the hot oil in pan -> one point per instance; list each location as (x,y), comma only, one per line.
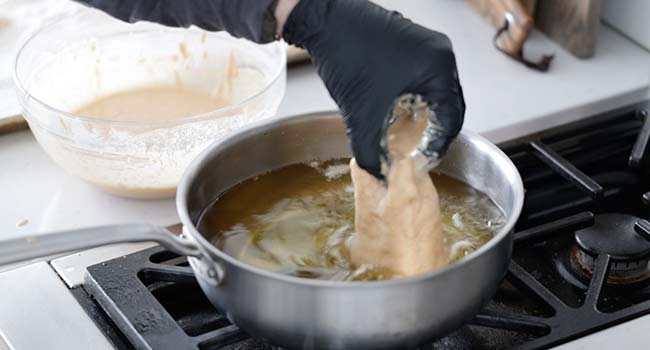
(297,221)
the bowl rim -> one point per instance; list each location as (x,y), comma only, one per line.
(24,93)
(218,256)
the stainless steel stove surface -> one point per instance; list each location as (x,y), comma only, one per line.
(580,259)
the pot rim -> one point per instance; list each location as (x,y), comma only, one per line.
(197,165)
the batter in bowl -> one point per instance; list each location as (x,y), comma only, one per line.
(153,103)
(162,102)
(169,104)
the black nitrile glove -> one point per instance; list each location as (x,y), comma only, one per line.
(368,57)
(250,19)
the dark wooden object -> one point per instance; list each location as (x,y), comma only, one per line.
(571,23)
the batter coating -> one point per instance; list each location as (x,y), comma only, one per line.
(397,222)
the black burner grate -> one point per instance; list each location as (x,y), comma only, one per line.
(154,299)
(164,308)
(571,174)
(567,321)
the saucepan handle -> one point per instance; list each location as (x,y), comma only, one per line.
(35,246)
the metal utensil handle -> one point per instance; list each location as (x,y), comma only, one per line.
(35,246)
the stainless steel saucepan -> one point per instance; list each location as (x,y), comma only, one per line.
(293,312)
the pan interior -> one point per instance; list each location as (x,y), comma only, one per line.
(321,136)
(298,221)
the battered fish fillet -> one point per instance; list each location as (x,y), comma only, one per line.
(397,222)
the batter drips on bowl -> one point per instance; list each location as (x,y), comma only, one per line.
(153,103)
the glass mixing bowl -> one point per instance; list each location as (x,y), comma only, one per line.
(88,55)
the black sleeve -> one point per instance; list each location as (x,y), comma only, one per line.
(250,19)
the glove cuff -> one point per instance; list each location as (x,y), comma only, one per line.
(305,21)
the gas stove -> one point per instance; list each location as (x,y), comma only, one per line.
(580,260)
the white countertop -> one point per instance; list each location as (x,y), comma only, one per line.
(504,100)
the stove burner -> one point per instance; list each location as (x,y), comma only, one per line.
(615,235)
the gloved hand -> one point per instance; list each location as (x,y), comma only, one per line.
(368,57)
(250,19)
